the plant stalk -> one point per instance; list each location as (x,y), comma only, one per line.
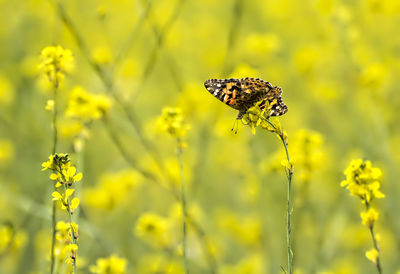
(54,149)
(183,203)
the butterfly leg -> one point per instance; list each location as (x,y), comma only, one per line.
(236,123)
(235,126)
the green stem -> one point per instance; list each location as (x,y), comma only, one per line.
(72,231)
(183,202)
(374,241)
(289,174)
(54,149)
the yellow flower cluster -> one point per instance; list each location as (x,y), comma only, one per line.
(113,189)
(65,246)
(65,176)
(243,229)
(111,265)
(87,107)
(159,263)
(309,155)
(369,217)
(55,62)
(255,117)
(153,229)
(172,121)
(6,151)
(10,239)
(362,180)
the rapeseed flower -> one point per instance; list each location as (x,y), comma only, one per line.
(363,180)
(55,62)
(110,265)
(65,176)
(113,189)
(153,229)
(87,107)
(172,121)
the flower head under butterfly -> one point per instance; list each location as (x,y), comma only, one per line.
(242,94)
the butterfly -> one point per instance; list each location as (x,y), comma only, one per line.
(242,94)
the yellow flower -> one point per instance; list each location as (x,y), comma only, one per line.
(253,264)
(113,189)
(63,229)
(244,229)
(172,122)
(55,62)
(372,255)
(111,265)
(363,180)
(307,147)
(159,263)
(6,151)
(262,44)
(6,91)
(49,105)
(153,229)
(86,106)
(63,172)
(102,55)
(369,217)
(10,239)
(373,76)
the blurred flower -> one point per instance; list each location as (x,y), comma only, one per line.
(11,240)
(325,7)
(6,151)
(172,121)
(262,44)
(112,189)
(64,243)
(305,59)
(130,68)
(102,55)
(72,128)
(373,76)
(369,217)
(159,263)
(363,180)
(252,264)
(244,70)
(6,91)
(194,211)
(327,91)
(55,62)
(153,229)
(86,106)
(101,12)
(309,155)
(49,105)
(110,265)
(245,229)
(372,255)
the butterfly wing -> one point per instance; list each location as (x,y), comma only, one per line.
(225,90)
(244,93)
(276,106)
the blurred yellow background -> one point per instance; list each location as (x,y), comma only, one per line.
(338,63)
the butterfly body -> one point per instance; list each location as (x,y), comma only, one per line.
(242,94)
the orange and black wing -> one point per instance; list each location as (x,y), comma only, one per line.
(225,90)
